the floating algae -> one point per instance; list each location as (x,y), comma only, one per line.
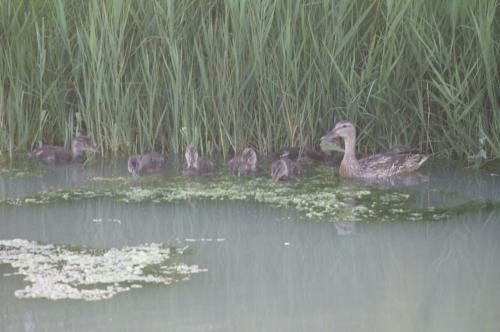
(321,197)
(58,272)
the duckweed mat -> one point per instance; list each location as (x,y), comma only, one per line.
(321,198)
(62,272)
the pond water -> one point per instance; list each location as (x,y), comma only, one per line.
(97,250)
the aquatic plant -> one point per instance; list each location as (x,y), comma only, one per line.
(61,272)
(223,75)
(321,198)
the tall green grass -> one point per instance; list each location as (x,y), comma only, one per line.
(142,75)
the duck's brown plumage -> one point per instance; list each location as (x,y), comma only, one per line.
(398,160)
(243,164)
(284,169)
(145,163)
(196,165)
(329,158)
(295,153)
(52,154)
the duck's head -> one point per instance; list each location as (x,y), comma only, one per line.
(83,143)
(249,158)
(286,154)
(343,129)
(133,164)
(279,170)
(191,156)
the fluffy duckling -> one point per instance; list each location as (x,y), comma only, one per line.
(244,164)
(284,169)
(399,160)
(295,153)
(145,163)
(196,165)
(51,154)
(323,156)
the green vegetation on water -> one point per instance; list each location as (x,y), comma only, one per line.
(65,272)
(322,198)
(138,75)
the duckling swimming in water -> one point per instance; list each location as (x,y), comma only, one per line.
(327,157)
(196,165)
(398,160)
(284,168)
(295,153)
(145,163)
(58,155)
(244,164)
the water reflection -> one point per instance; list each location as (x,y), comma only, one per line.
(345,227)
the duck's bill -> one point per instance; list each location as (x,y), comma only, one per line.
(331,145)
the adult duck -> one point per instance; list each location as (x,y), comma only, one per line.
(52,154)
(399,160)
(196,165)
(146,163)
(244,164)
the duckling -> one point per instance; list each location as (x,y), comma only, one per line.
(145,163)
(398,160)
(323,156)
(196,165)
(284,169)
(295,153)
(244,164)
(51,154)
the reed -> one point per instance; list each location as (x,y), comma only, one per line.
(139,75)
